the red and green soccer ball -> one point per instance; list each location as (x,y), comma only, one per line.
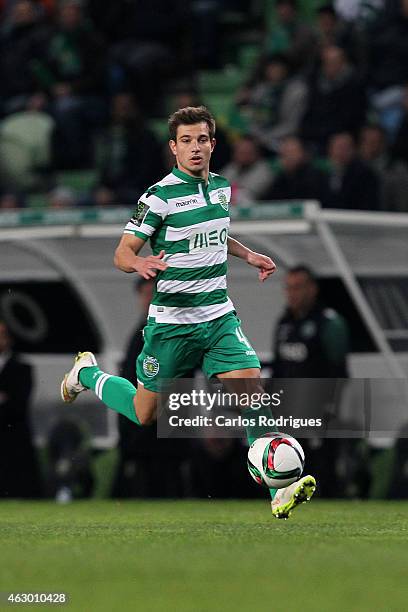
(275,460)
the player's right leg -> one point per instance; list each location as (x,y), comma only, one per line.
(117,393)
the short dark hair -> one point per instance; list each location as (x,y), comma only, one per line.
(303,269)
(191,115)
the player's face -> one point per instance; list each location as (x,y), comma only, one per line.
(193,148)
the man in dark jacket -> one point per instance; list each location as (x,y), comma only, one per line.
(311,341)
(18,467)
(336,100)
(352,183)
(297,178)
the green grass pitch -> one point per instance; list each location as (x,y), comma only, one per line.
(205,556)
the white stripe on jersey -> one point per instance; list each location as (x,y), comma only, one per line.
(155,204)
(197,286)
(169,179)
(198,314)
(145,228)
(181,233)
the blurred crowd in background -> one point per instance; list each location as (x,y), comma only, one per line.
(311,99)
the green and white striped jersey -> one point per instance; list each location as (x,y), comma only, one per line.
(190,221)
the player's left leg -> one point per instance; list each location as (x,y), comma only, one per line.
(233,360)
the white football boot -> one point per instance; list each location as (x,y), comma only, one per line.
(292,496)
(70,386)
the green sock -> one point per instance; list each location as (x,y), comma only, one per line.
(117,393)
(254,432)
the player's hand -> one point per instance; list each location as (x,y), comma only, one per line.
(146,266)
(265,264)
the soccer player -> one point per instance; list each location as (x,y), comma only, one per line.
(192,321)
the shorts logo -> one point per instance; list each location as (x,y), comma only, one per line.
(150,366)
(222,199)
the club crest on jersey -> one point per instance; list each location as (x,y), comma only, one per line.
(150,366)
(222,199)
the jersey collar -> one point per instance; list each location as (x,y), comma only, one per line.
(187,177)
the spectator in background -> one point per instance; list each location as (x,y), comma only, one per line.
(331,30)
(44,8)
(389,48)
(290,35)
(272,108)
(336,100)
(352,183)
(26,140)
(23,40)
(363,12)
(248,172)
(310,341)
(296,177)
(10,201)
(388,66)
(19,475)
(61,197)
(153,44)
(74,73)
(393,175)
(129,156)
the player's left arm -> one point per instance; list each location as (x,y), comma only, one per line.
(264,263)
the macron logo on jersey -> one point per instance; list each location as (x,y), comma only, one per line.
(186,202)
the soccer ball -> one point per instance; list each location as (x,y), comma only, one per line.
(275,460)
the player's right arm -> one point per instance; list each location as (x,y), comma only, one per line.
(127,257)
(146,220)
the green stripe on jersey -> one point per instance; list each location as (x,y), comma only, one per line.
(158,243)
(189,274)
(153,219)
(200,215)
(189,300)
(140,235)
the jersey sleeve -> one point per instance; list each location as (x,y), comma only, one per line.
(149,215)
